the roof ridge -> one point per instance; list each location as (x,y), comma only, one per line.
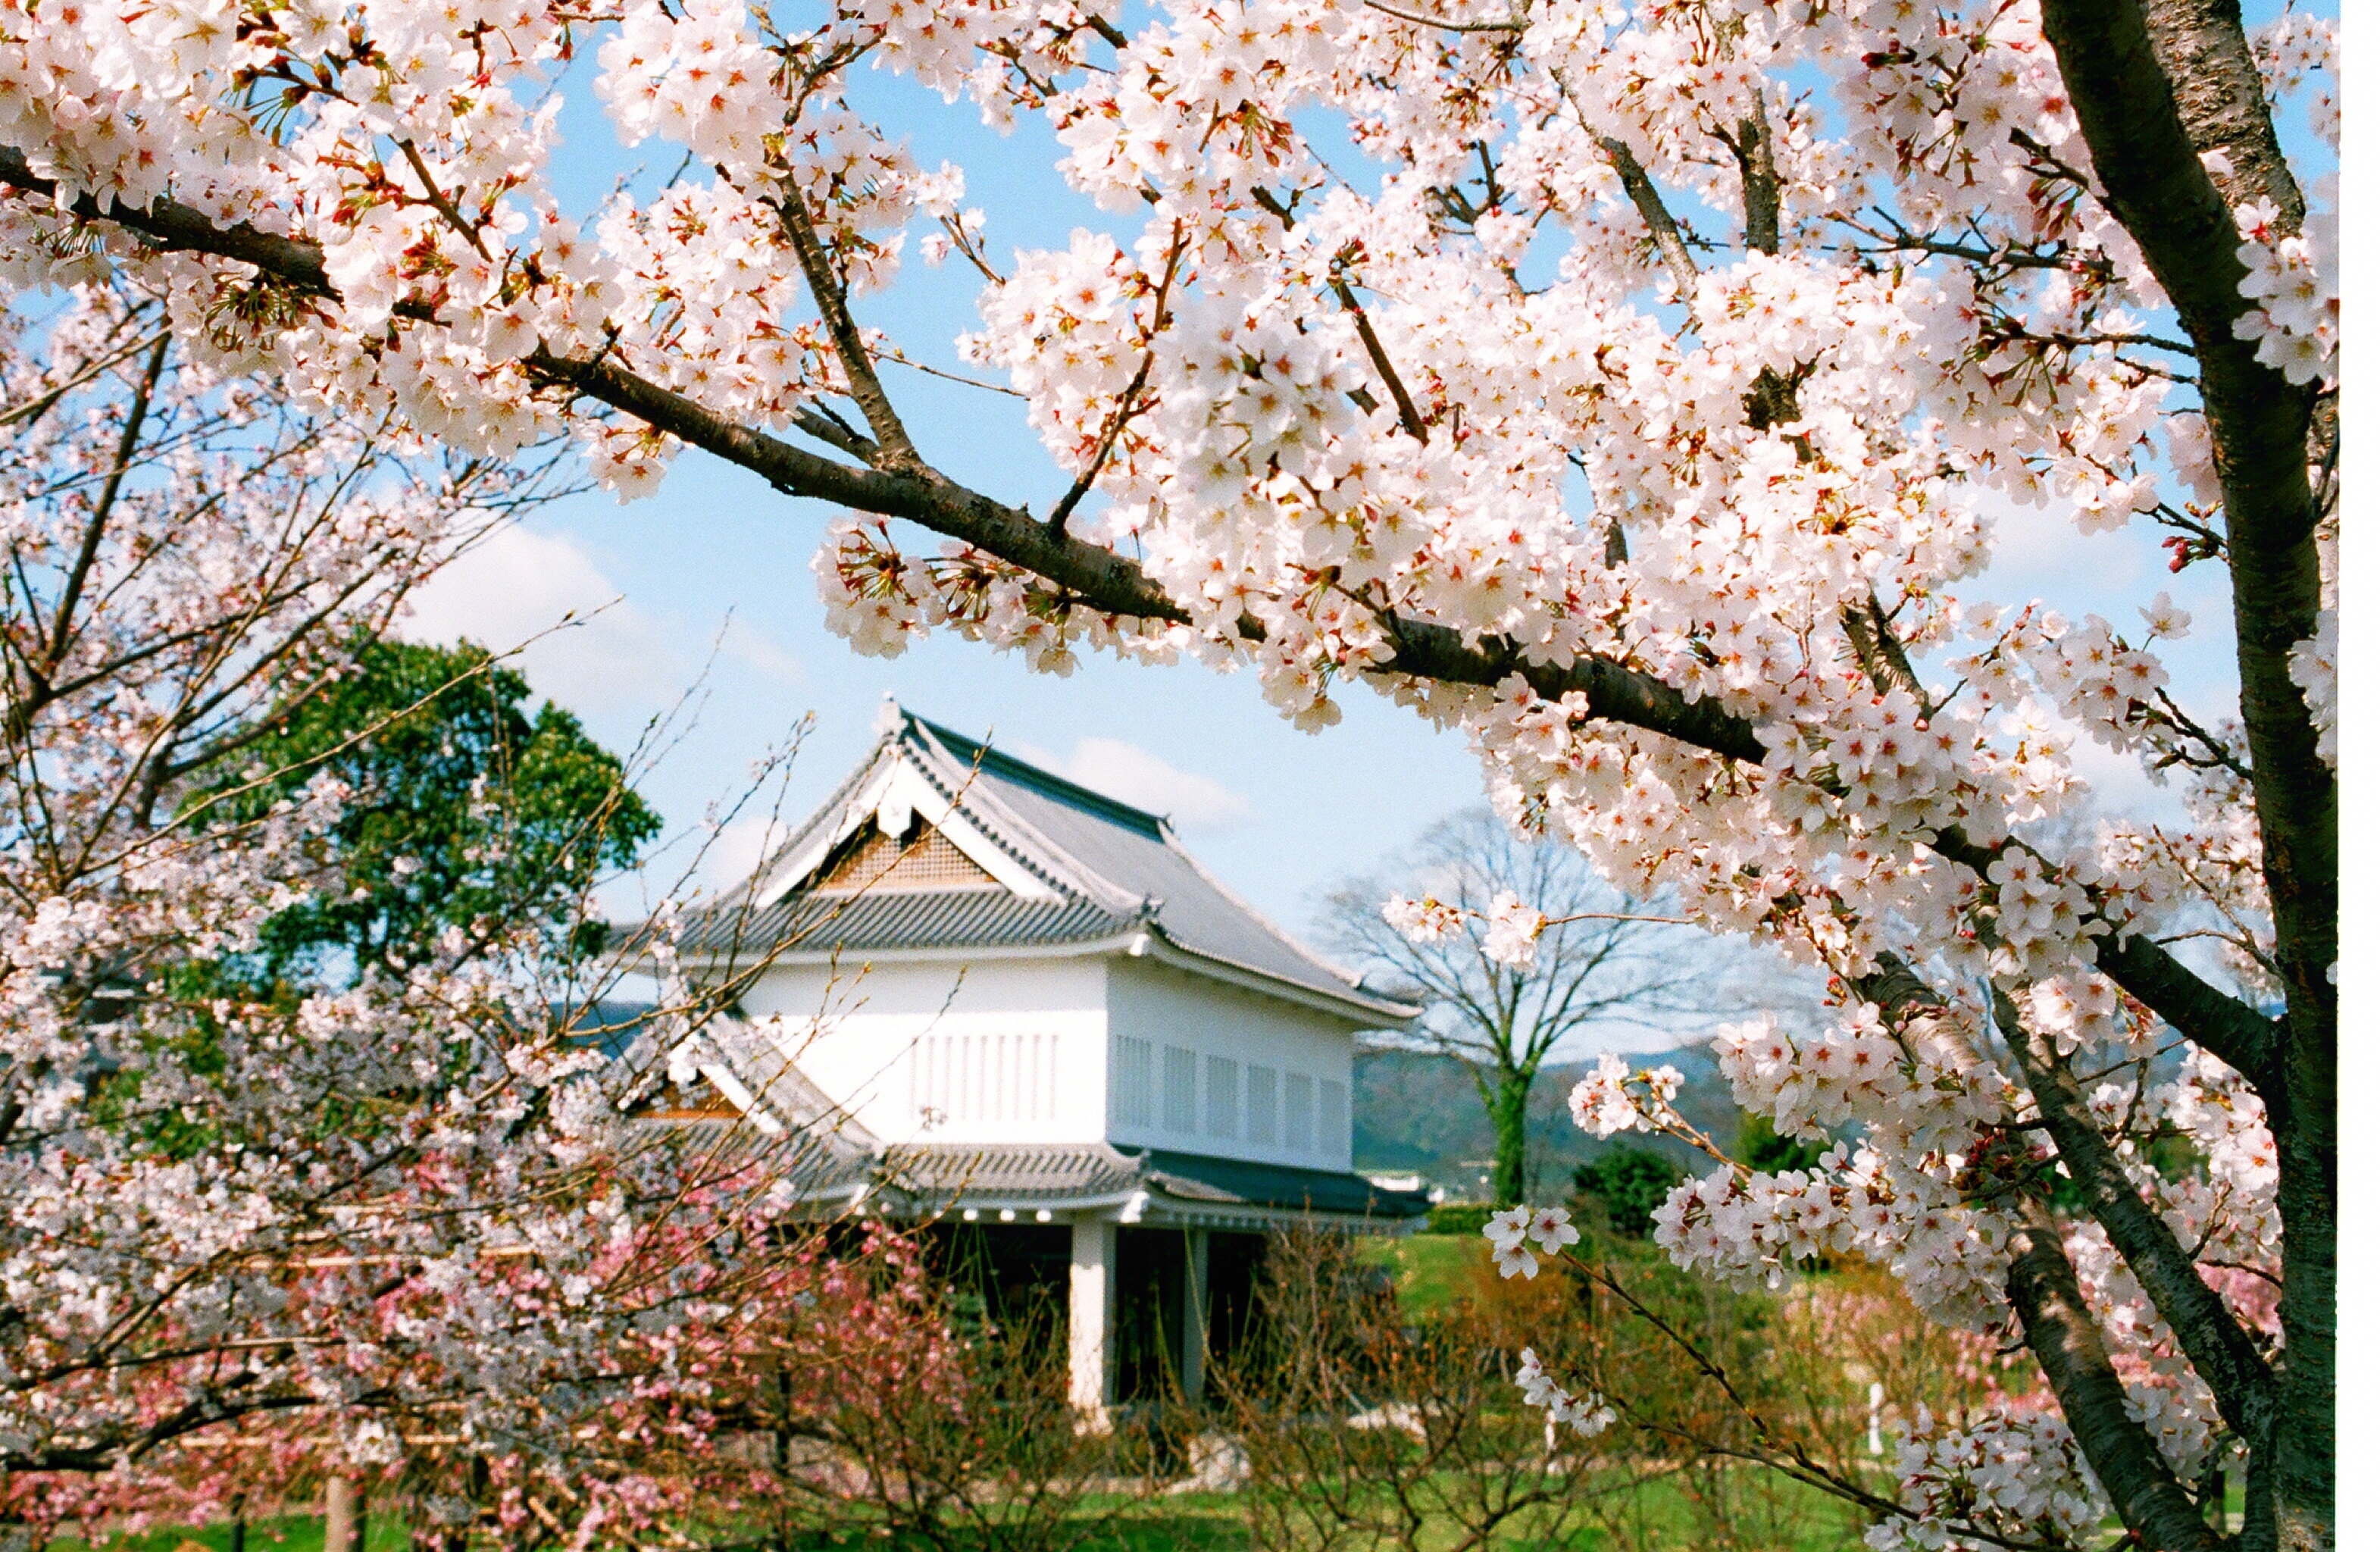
(1152,825)
(756,881)
(980,797)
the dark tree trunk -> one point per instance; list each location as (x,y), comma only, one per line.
(2158,85)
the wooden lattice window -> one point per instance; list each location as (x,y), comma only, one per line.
(698,1100)
(925,860)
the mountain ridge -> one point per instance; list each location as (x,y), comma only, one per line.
(1420,1112)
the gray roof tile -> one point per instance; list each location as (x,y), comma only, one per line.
(900,919)
(1116,866)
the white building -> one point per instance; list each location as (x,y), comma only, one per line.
(1020,1005)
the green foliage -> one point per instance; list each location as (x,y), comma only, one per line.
(1629,1182)
(468,809)
(1758,1145)
(1458,1218)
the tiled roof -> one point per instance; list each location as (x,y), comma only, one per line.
(1198,1178)
(1025,1173)
(1112,866)
(937,1177)
(903,919)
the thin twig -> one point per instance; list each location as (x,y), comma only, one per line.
(1407,416)
(1445,26)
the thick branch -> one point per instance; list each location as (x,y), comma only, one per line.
(2146,154)
(2241,1037)
(2210,1337)
(2220,95)
(172,225)
(1755,158)
(2066,1343)
(2146,139)
(895,451)
(2063,1337)
(1666,239)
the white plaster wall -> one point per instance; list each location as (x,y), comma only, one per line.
(1010,1050)
(1169,1008)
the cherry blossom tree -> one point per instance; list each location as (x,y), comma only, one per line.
(1646,418)
(399,1227)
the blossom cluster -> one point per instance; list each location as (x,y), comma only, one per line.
(1586,1413)
(2293,279)
(2009,1475)
(1512,1231)
(2313,668)
(1511,925)
(1614,1098)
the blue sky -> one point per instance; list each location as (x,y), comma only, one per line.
(714,571)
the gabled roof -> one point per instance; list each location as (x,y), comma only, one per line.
(769,1111)
(1066,868)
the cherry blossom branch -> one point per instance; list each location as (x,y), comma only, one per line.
(439,201)
(1666,239)
(1126,405)
(1112,584)
(827,290)
(897,359)
(2217,1346)
(1981,253)
(1444,26)
(135,415)
(2065,1341)
(2064,1336)
(42,404)
(1407,416)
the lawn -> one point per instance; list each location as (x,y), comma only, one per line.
(1430,1270)
(1662,1515)
(295,1533)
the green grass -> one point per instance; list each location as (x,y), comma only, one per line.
(1774,1515)
(295,1533)
(1661,1515)
(1431,1270)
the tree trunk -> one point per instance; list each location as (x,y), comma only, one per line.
(2158,85)
(1510,1111)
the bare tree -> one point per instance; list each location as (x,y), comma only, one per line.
(1606,965)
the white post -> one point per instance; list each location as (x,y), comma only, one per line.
(1193,1320)
(343,1515)
(1090,1315)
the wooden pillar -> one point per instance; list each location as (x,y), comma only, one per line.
(343,1515)
(1194,1319)
(1090,1317)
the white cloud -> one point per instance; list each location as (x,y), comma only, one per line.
(760,653)
(2040,551)
(1131,774)
(515,588)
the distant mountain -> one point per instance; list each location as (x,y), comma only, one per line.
(1420,1112)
